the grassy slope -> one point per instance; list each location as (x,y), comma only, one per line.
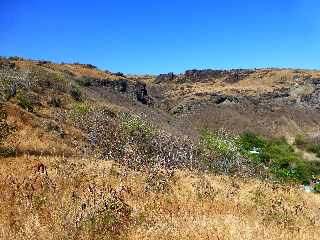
(51,190)
(49,204)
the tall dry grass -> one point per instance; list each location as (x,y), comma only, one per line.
(77,198)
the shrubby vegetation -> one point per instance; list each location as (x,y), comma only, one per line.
(25,103)
(279,157)
(222,150)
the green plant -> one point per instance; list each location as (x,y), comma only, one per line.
(59,77)
(280,157)
(220,151)
(249,141)
(135,126)
(317,188)
(220,142)
(79,110)
(25,103)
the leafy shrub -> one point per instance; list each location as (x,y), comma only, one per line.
(59,77)
(25,103)
(79,110)
(135,126)
(220,143)
(222,150)
(317,188)
(249,141)
(280,157)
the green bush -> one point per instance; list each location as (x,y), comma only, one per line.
(135,126)
(220,142)
(25,103)
(317,188)
(249,141)
(79,110)
(280,157)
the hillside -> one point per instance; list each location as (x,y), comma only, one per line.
(91,154)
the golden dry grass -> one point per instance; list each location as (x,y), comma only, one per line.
(42,198)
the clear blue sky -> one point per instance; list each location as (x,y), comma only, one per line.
(158,36)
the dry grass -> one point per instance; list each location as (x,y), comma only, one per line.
(44,197)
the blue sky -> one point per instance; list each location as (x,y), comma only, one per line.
(158,36)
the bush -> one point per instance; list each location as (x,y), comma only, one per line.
(280,157)
(79,110)
(317,188)
(249,141)
(25,103)
(222,150)
(134,126)
(220,143)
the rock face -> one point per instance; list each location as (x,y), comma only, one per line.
(229,76)
(165,78)
(135,89)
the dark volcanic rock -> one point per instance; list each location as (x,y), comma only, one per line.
(142,93)
(137,90)
(165,78)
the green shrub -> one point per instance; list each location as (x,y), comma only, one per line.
(79,110)
(219,142)
(280,157)
(317,188)
(59,78)
(25,103)
(249,141)
(135,126)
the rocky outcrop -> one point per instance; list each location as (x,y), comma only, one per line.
(207,75)
(135,89)
(165,78)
